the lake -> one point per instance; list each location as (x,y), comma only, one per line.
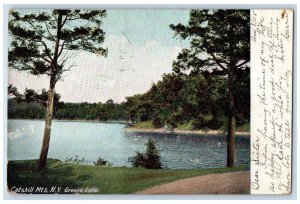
(111,142)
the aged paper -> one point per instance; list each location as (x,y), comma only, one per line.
(271,101)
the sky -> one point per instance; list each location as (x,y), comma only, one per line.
(141,47)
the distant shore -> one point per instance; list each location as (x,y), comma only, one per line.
(147,130)
(187,132)
(91,121)
(74,120)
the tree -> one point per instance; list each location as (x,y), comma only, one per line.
(149,160)
(42,42)
(168,90)
(13,91)
(30,95)
(201,97)
(219,45)
(43,98)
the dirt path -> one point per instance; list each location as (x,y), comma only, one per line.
(225,183)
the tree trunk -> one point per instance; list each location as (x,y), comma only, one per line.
(231,123)
(48,119)
(47,131)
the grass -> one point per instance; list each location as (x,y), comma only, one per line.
(108,180)
(187,126)
(144,125)
(243,128)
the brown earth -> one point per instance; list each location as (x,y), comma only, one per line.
(225,183)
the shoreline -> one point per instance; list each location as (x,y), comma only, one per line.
(146,130)
(185,132)
(73,120)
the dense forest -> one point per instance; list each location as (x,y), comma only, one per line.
(178,99)
(197,101)
(32,105)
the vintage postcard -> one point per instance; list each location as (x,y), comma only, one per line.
(149,101)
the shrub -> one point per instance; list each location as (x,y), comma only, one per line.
(148,160)
(102,162)
(156,122)
(76,160)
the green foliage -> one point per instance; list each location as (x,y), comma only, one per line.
(243,128)
(31,105)
(102,162)
(217,46)
(13,92)
(198,100)
(148,160)
(186,126)
(75,160)
(218,50)
(148,124)
(115,180)
(40,40)
(25,110)
(196,93)
(157,122)
(31,96)
(91,111)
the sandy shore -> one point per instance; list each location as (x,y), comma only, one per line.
(188,132)
(225,183)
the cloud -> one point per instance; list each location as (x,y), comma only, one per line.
(23,131)
(128,69)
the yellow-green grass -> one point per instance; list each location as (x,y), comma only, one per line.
(108,180)
(243,128)
(144,125)
(186,126)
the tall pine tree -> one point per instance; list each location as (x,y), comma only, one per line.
(42,43)
(219,45)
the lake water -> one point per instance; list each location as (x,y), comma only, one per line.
(111,142)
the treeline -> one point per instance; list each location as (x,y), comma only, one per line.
(68,111)
(91,111)
(197,101)
(32,105)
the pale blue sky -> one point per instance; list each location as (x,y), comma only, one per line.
(144,25)
(129,68)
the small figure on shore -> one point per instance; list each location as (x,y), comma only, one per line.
(168,128)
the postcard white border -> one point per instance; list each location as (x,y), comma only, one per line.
(6,195)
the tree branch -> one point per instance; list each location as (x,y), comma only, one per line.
(28,66)
(46,60)
(61,49)
(46,49)
(217,61)
(49,31)
(41,34)
(241,64)
(65,20)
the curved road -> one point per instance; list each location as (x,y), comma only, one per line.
(225,183)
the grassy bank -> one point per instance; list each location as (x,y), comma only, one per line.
(147,127)
(144,125)
(113,180)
